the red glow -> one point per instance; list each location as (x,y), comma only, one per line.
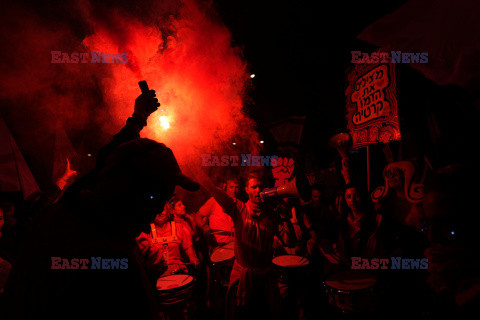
(198,77)
(180,48)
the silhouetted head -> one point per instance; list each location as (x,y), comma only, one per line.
(450,206)
(138,179)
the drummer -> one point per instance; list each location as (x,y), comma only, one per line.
(167,244)
(164,249)
(293,288)
(253,290)
(355,229)
(215,223)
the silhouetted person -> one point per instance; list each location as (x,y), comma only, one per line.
(451,210)
(5,266)
(80,260)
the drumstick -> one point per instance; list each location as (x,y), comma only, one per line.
(303,258)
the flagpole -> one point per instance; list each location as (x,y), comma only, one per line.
(368,168)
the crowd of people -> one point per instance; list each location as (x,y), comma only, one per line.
(240,255)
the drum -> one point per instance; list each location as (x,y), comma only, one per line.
(222,259)
(174,290)
(290,266)
(352,292)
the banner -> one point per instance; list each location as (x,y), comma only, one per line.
(326,177)
(372,112)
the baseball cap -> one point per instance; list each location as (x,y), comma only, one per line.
(152,161)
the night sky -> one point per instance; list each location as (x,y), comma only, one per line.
(299,52)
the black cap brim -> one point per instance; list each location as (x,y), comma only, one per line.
(186,183)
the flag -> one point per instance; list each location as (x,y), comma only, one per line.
(448,30)
(287,131)
(14,172)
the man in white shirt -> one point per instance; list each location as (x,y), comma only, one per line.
(215,223)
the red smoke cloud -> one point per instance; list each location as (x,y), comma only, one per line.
(181,48)
(199,78)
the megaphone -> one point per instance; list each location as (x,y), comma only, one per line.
(298,187)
